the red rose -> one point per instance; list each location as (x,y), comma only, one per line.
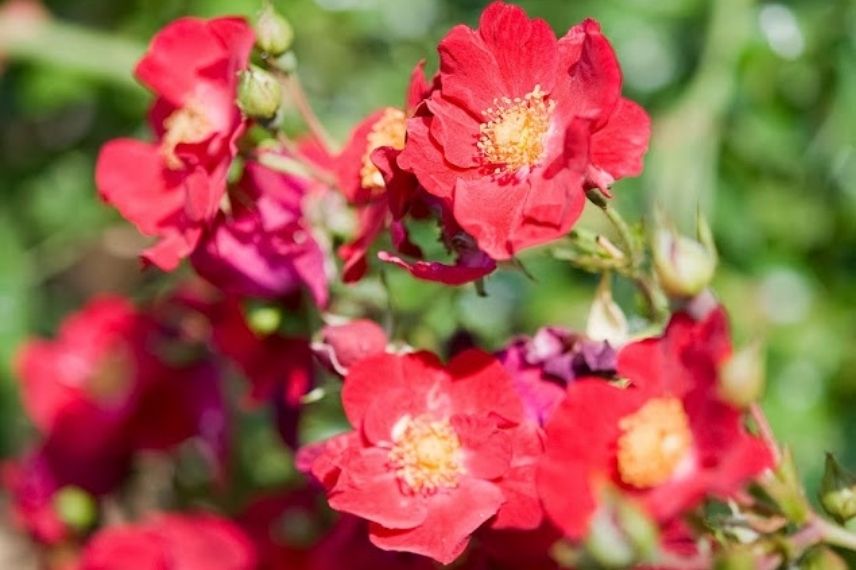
(667,440)
(99,392)
(171,542)
(370,178)
(437,452)
(172,188)
(521,123)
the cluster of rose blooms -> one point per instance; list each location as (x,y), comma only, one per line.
(560,449)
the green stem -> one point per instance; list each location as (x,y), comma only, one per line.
(70,47)
(836,535)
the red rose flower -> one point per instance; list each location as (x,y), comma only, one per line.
(172,188)
(436,452)
(99,392)
(171,542)
(32,485)
(667,440)
(264,247)
(521,123)
(370,178)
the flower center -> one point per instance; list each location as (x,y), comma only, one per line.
(111,380)
(655,440)
(389,130)
(426,454)
(513,135)
(188,124)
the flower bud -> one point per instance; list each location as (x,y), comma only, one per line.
(838,491)
(259,93)
(274,34)
(684,266)
(76,508)
(621,533)
(606,321)
(737,558)
(784,487)
(741,378)
(263,319)
(823,558)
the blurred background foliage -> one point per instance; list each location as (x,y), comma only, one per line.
(754,106)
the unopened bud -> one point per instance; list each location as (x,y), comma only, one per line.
(274,35)
(741,378)
(263,319)
(823,558)
(621,534)
(838,491)
(736,558)
(259,93)
(76,508)
(684,266)
(783,485)
(606,320)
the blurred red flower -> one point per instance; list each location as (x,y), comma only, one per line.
(667,441)
(172,188)
(171,542)
(521,124)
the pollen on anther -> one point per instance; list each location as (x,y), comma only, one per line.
(513,133)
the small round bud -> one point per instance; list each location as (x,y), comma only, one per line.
(76,508)
(838,491)
(264,319)
(741,378)
(259,93)
(684,266)
(274,35)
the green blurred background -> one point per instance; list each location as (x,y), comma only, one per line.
(754,107)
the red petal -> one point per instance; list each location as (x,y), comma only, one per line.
(620,145)
(481,385)
(368,489)
(420,373)
(452,518)
(130,175)
(175,56)
(487,449)
(440,272)
(579,454)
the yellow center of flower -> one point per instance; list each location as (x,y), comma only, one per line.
(389,130)
(188,124)
(513,135)
(426,454)
(111,379)
(655,439)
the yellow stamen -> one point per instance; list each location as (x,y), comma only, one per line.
(188,124)
(112,377)
(513,135)
(426,454)
(655,440)
(389,130)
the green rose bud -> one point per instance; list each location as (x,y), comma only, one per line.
(76,508)
(259,93)
(838,491)
(741,378)
(274,35)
